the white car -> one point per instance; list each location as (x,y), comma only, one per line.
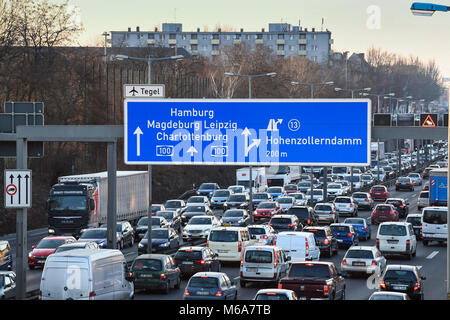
(197,201)
(416,178)
(236,189)
(199,227)
(335,190)
(286,202)
(378,171)
(300,198)
(317,195)
(363,259)
(423,200)
(434,224)
(346,205)
(263,233)
(275,294)
(396,238)
(388,295)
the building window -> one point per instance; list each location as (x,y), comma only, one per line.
(302,47)
(162,36)
(302,35)
(314,48)
(281,47)
(215,47)
(183,36)
(292,48)
(315,36)
(172,36)
(151,36)
(270,36)
(205,37)
(248,37)
(194,47)
(281,36)
(193,36)
(259,36)
(215,36)
(291,37)
(226,37)
(237,36)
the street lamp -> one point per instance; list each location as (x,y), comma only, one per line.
(106,35)
(365,94)
(250,78)
(352,90)
(313,85)
(149,61)
(427,9)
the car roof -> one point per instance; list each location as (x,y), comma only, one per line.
(209,274)
(223,228)
(401,199)
(95,253)
(391,293)
(316,228)
(436,208)
(400,267)
(362,248)
(260,247)
(284,216)
(285,291)
(75,244)
(399,223)
(414,215)
(328,263)
(341,224)
(194,248)
(58,238)
(152,256)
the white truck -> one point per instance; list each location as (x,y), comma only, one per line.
(377,147)
(80,201)
(258,176)
(278,176)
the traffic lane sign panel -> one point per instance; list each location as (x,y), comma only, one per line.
(428,119)
(18,191)
(259,132)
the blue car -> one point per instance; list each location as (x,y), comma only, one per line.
(208,189)
(361,227)
(6,259)
(163,239)
(345,234)
(275,192)
(210,286)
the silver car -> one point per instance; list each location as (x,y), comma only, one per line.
(286,202)
(363,259)
(326,212)
(300,198)
(423,200)
(346,205)
(364,200)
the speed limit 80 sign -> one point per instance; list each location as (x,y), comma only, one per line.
(17,188)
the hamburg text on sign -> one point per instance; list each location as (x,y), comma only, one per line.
(17,188)
(247,132)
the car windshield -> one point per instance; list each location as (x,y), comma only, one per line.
(207,186)
(188,255)
(172,204)
(195,209)
(196,200)
(223,236)
(309,270)
(147,265)
(274,296)
(285,200)
(199,220)
(233,214)
(383,208)
(435,216)
(299,212)
(394,202)
(143,221)
(280,221)
(203,282)
(425,195)
(354,221)
(256,231)
(49,244)
(156,208)
(158,234)
(322,207)
(304,184)
(337,170)
(94,234)
(68,248)
(334,186)
(415,221)
(290,187)
(340,228)
(360,195)
(68,202)
(258,256)
(260,196)
(221,193)
(402,275)
(342,200)
(165,214)
(266,205)
(298,196)
(404,180)
(236,198)
(392,230)
(359,254)
(365,177)
(414,175)
(275,190)
(236,189)
(378,189)
(315,192)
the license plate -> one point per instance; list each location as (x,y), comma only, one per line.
(203,293)
(358,264)
(222,251)
(392,241)
(399,287)
(188,262)
(40,261)
(227,224)
(252,269)
(145,276)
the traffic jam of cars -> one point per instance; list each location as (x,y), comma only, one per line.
(282,242)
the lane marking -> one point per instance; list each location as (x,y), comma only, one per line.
(432,255)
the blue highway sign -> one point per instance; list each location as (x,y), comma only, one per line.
(247,132)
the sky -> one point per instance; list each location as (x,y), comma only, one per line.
(356,25)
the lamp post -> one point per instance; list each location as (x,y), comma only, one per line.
(106,35)
(149,62)
(352,90)
(365,94)
(250,78)
(428,9)
(312,85)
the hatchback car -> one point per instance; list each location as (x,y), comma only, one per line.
(275,192)
(208,189)
(163,239)
(266,210)
(218,198)
(346,205)
(285,222)
(172,217)
(192,211)
(363,260)
(291,188)
(237,201)
(300,198)
(260,197)
(44,248)
(388,295)
(363,200)
(345,234)
(210,286)
(423,200)
(379,192)
(155,271)
(403,278)
(416,221)
(125,232)
(361,225)
(263,233)
(191,260)
(404,183)
(174,205)
(401,205)
(326,213)
(416,178)
(286,203)
(325,240)
(383,213)
(97,235)
(199,227)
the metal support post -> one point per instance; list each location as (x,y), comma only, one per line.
(111,221)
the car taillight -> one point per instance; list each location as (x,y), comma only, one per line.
(186,292)
(290,225)
(326,241)
(366,199)
(344,262)
(275,241)
(162,276)
(40,295)
(417,285)
(92,294)
(280,286)
(306,244)
(207,243)
(239,246)
(332,212)
(378,241)
(200,261)
(309,221)
(349,235)
(264,237)
(275,262)
(374,263)
(382,284)
(363,228)
(219,293)
(326,290)
(408,242)
(351,205)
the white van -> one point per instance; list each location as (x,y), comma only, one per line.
(299,246)
(86,274)
(434,224)
(263,263)
(228,242)
(396,238)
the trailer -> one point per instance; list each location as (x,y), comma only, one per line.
(438,187)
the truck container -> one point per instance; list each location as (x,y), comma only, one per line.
(80,201)
(377,151)
(278,176)
(258,176)
(438,187)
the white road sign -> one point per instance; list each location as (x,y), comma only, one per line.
(144,91)
(17,188)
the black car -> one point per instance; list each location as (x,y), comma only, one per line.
(126,233)
(191,260)
(172,217)
(195,211)
(404,183)
(325,240)
(163,239)
(305,215)
(400,205)
(284,222)
(237,201)
(402,278)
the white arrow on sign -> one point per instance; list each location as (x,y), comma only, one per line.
(192,150)
(255,143)
(138,133)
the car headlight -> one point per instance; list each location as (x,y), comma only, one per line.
(30,255)
(166,244)
(140,245)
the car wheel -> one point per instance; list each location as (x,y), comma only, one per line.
(31,267)
(242,283)
(166,288)
(177,285)
(425,243)
(343,294)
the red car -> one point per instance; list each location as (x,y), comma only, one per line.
(46,247)
(379,192)
(266,210)
(291,188)
(383,213)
